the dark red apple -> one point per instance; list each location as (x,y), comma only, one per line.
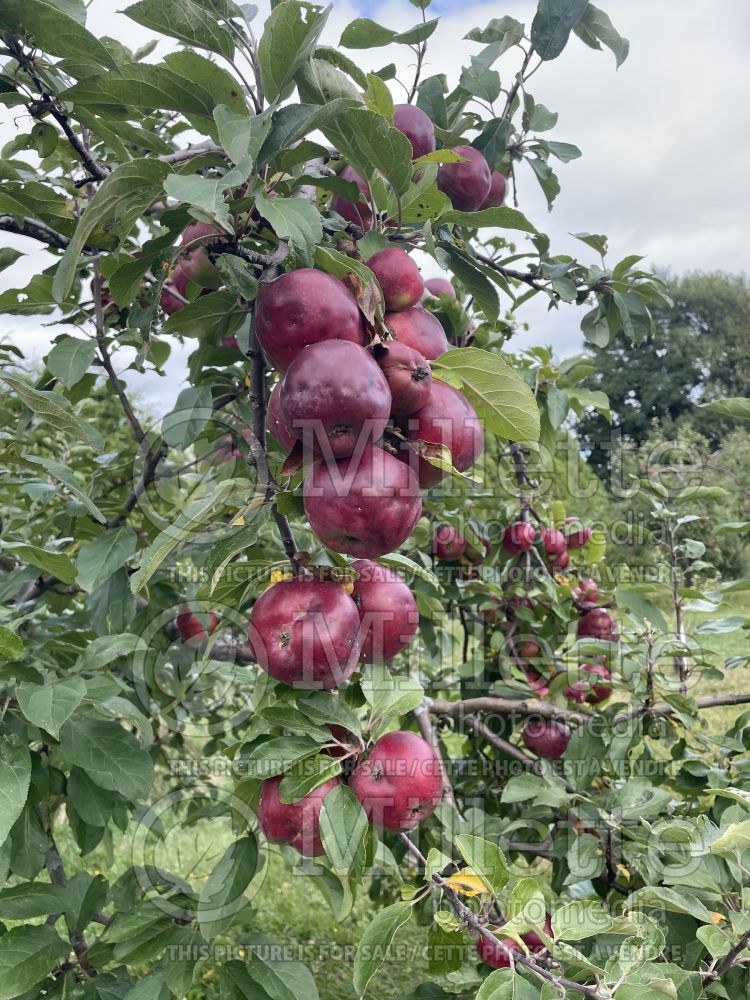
(532,940)
(496,956)
(447,419)
(587,594)
(598,624)
(194,261)
(518,537)
(419,329)
(365,506)
(304,307)
(409,377)
(417,127)
(546,737)
(305,633)
(496,196)
(553,541)
(586,689)
(193,629)
(278,425)
(335,398)
(560,561)
(343,744)
(440,286)
(400,783)
(537,684)
(525,649)
(296,823)
(467,184)
(230,342)
(178,282)
(387,611)
(580,536)
(448,544)
(360,212)
(398,277)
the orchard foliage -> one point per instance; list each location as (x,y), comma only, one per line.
(353,587)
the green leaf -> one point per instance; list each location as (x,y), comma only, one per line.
(733,406)
(122,198)
(734,839)
(56,563)
(27,956)
(189,520)
(241,136)
(366,34)
(31,899)
(210,316)
(8,256)
(280,979)
(376,941)
(504,402)
(104,650)
(54,31)
(552,24)
(595,26)
(110,755)
(192,411)
(276,755)
(15,775)
(55,409)
(49,705)
(506,30)
(287,42)
(390,694)
(231,544)
(547,178)
(398,561)
(11,645)
(307,775)
(583,918)
(64,475)
(473,278)
(84,895)
(486,859)
(499,218)
(371,145)
(378,97)
(104,555)
(295,220)
(185,20)
(223,893)
(492,141)
(640,607)
(343,827)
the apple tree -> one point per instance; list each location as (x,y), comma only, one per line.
(335,563)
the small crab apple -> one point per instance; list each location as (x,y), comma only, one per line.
(419,329)
(598,624)
(417,127)
(546,737)
(335,397)
(440,286)
(448,544)
(304,307)
(447,419)
(518,537)
(278,425)
(400,783)
(580,536)
(387,611)
(364,506)
(467,183)
(553,541)
(398,277)
(587,594)
(193,629)
(359,212)
(496,956)
(305,633)
(295,823)
(561,561)
(195,261)
(409,377)
(497,191)
(587,689)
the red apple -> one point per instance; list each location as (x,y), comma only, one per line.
(398,277)
(561,561)
(400,783)
(496,195)
(195,631)
(335,398)
(296,823)
(360,212)
(495,956)
(467,184)
(409,377)
(532,940)
(546,737)
(440,286)
(416,126)
(518,537)
(537,683)
(304,307)
(448,419)
(553,541)
(305,633)
(278,425)
(344,744)
(598,624)
(419,329)
(581,536)
(195,262)
(587,594)
(448,544)
(178,282)
(387,611)
(586,689)
(364,506)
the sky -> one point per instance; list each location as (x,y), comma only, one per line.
(665,143)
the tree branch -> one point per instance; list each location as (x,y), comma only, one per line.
(509,706)
(34,230)
(426,728)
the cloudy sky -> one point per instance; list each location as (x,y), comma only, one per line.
(665,140)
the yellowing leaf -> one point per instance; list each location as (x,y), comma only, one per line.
(466,883)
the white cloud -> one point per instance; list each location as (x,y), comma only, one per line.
(666,149)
